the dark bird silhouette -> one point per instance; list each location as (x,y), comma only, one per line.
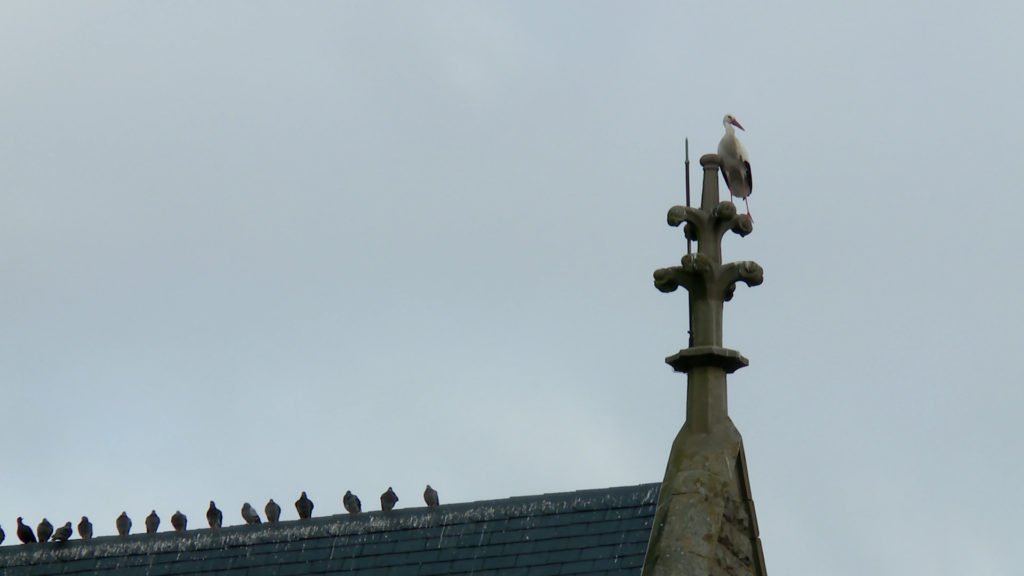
(214,516)
(249,514)
(388,500)
(273,510)
(63,533)
(2,535)
(179,521)
(152,523)
(25,533)
(44,530)
(430,497)
(124,524)
(85,529)
(352,503)
(304,506)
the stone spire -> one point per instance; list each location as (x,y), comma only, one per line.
(705,523)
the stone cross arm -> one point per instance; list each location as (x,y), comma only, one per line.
(701,225)
(700,275)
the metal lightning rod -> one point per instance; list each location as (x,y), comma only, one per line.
(689,243)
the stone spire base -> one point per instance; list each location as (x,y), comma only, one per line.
(705,523)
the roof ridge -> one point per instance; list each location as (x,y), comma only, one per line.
(353,527)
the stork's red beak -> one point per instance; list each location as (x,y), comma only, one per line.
(736,123)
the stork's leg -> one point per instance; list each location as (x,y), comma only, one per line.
(747,204)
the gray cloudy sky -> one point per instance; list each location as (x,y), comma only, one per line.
(254,248)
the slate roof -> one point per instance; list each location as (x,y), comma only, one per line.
(594,532)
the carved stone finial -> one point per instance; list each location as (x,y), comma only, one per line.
(710,161)
(743,225)
(725,211)
(704,523)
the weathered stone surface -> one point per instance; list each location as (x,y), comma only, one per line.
(728,360)
(703,524)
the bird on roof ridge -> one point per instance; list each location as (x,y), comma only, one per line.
(304,506)
(352,503)
(63,533)
(85,529)
(388,500)
(179,521)
(44,530)
(430,497)
(2,535)
(124,524)
(273,510)
(214,516)
(735,162)
(25,533)
(152,523)
(249,514)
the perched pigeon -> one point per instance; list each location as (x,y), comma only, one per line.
(63,533)
(430,497)
(25,533)
(388,500)
(179,521)
(249,514)
(44,530)
(304,506)
(152,523)
(214,516)
(85,529)
(2,535)
(124,524)
(273,510)
(352,503)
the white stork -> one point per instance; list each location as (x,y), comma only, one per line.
(735,162)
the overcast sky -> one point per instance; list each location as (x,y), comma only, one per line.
(250,248)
